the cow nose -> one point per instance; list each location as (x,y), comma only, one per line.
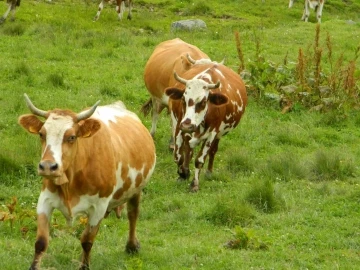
(48,166)
(186,126)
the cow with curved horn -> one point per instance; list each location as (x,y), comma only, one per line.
(120,8)
(206,103)
(168,56)
(91,162)
(11,9)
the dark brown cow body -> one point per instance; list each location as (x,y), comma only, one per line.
(120,8)
(168,56)
(12,8)
(206,104)
(92,162)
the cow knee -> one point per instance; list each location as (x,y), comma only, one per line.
(86,246)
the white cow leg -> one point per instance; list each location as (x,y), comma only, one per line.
(101,6)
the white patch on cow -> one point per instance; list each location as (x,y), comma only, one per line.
(56,126)
(196,90)
(109,113)
(47,202)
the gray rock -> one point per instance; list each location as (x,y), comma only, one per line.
(188,25)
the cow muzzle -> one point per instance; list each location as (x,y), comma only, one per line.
(49,169)
(187,127)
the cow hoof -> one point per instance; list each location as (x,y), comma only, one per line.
(132,248)
(193,187)
(84,267)
(208,175)
(180,179)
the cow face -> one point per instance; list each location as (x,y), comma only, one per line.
(58,135)
(195,101)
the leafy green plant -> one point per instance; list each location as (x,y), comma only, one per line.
(245,239)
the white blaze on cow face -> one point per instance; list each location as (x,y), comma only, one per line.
(195,97)
(53,136)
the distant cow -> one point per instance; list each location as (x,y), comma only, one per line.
(168,56)
(120,8)
(12,8)
(317,5)
(206,103)
(92,162)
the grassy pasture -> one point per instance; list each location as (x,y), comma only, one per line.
(290,181)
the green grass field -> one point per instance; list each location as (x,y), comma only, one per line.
(285,192)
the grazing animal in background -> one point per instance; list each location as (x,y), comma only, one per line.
(12,8)
(168,56)
(120,8)
(206,103)
(317,5)
(92,162)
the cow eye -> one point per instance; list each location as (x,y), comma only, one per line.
(71,139)
(41,135)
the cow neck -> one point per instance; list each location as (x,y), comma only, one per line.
(65,192)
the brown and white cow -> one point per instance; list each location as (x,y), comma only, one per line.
(168,56)
(206,103)
(12,8)
(91,162)
(317,5)
(120,8)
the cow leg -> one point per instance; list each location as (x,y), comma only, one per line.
(319,11)
(200,160)
(157,109)
(212,151)
(100,8)
(87,239)
(11,7)
(120,8)
(306,13)
(129,17)
(42,240)
(184,160)
(133,244)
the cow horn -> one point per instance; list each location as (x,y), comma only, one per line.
(191,60)
(86,114)
(33,109)
(178,78)
(223,61)
(214,86)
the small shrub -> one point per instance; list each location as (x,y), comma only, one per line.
(330,166)
(245,239)
(264,198)
(230,213)
(22,69)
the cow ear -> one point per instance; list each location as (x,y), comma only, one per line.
(218,99)
(174,93)
(31,123)
(88,127)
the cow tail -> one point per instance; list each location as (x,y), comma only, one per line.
(147,107)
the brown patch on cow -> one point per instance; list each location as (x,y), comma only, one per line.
(191,102)
(119,193)
(139,179)
(200,106)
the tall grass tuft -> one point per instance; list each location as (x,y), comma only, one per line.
(14,29)
(241,162)
(284,167)
(198,8)
(230,212)
(264,197)
(57,80)
(329,166)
